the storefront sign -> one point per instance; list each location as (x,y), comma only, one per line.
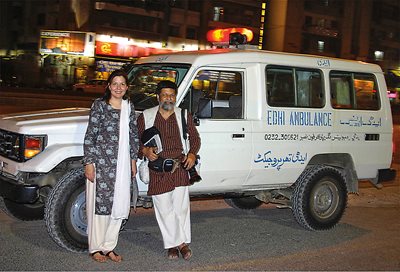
(126,50)
(67,43)
(108,66)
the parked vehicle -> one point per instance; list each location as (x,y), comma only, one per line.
(291,129)
(93,86)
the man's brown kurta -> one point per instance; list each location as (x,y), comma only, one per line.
(172,148)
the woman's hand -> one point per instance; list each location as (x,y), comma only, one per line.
(134,168)
(150,153)
(90,172)
(189,161)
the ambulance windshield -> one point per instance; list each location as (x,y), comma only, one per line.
(143,80)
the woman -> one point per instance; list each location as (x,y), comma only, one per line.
(110,153)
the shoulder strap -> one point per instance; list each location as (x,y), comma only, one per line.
(184,126)
(181,120)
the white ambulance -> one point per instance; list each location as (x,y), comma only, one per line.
(275,127)
(295,130)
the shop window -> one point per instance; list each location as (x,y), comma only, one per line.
(41,19)
(195,5)
(174,31)
(191,33)
(308,21)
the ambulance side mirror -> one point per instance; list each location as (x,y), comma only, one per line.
(204,109)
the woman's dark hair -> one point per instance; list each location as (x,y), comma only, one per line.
(166,84)
(107,93)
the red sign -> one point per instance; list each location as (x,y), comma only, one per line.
(222,35)
(126,50)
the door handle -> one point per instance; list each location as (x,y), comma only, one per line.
(235,136)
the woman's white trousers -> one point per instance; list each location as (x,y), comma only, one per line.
(102,230)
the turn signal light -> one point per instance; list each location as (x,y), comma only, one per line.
(29,153)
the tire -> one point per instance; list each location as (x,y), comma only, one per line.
(25,212)
(244,203)
(319,198)
(65,212)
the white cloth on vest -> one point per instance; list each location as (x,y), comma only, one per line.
(150,116)
(121,200)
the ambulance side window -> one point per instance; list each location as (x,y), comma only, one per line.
(223,88)
(294,87)
(357,91)
(341,93)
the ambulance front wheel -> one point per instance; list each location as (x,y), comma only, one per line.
(65,212)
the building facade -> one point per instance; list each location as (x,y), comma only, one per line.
(366,30)
(33,34)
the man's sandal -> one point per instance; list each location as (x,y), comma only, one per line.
(98,256)
(173,253)
(114,256)
(186,252)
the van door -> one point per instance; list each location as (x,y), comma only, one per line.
(226,135)
(294,126)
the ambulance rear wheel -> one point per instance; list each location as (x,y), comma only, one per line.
(319,198)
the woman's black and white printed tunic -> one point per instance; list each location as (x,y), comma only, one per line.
(101,148)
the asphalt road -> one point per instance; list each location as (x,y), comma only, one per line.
(367,238)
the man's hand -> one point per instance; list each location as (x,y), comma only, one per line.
(189,161)
(150,153)
(90,172)
(134,168)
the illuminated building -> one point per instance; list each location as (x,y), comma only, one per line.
(367,30)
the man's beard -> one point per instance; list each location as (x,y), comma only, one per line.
(167,105)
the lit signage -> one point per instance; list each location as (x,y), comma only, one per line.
(262,21)
(108,66)
(67,43)
(222,35)
(126,50)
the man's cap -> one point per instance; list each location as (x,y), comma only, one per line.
(166,84)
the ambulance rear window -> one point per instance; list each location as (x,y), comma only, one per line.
(357,91)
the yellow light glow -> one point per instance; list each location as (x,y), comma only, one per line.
(29,153)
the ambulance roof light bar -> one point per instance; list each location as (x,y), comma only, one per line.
(237,39)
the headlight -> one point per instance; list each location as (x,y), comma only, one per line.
(19,147)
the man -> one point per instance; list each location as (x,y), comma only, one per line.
(169,190)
